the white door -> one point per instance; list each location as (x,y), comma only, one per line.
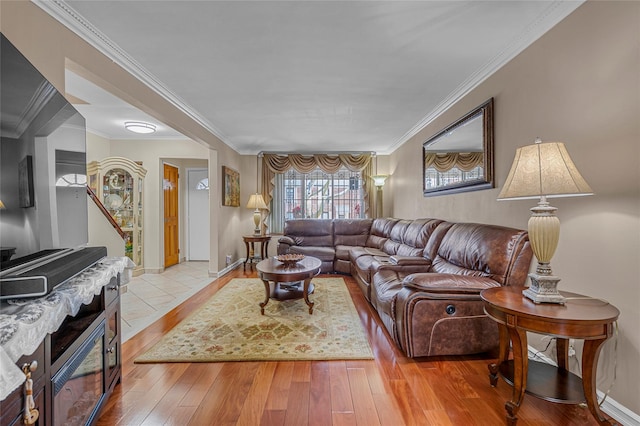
(198,214)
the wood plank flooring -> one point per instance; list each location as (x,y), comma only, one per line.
(391,390)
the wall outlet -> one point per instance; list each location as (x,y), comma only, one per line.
(228,260)
(572,349)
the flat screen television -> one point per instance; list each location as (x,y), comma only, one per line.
(43,210)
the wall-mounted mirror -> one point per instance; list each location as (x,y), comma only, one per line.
(460,158)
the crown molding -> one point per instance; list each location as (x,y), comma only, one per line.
(67,16)
(39,100)
(555,13)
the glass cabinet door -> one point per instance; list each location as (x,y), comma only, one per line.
(117,197)
(118,184)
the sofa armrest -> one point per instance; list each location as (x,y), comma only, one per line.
(447,285)
(286,240)
(409,265)
(409,260)
(284,244)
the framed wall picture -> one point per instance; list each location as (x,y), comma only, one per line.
(230,187)
(25,182)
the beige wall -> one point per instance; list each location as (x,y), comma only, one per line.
(578,84)
(101,233)
(153,154)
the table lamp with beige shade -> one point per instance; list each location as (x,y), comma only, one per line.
(256,201)
(543,170)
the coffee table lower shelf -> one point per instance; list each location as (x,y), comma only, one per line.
(288,291)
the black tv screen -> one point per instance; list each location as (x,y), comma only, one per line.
(42,165)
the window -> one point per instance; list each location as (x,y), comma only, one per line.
(435,179)
(72,180)
(316,195)
(203,185)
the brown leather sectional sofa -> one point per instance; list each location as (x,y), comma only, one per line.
(422,276)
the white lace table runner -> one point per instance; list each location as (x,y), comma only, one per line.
(24,323)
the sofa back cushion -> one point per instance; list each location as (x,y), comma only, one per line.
(395,238)
(416,235)
(380,231)
(310,232)
(500,253)
(351,232)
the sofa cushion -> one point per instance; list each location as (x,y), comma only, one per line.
(325,254)
(310,232)
(351,232)
(416,236)
(342,252)
(363,265)
(478,250)
(380,231)
(356,252)
(395,238)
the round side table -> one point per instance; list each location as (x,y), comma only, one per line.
(581,317)
(249,243)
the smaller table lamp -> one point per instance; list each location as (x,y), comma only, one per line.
(543,170)
(256,201)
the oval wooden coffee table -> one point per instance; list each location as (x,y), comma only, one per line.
(288,282)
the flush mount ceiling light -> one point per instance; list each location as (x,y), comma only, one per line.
(140,127)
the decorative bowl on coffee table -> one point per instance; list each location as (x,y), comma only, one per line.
(290,259)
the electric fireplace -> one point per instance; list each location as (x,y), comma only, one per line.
(78,386)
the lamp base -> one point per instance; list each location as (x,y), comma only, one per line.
(544,289)
(257,218)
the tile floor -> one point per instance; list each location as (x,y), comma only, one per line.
(150,296)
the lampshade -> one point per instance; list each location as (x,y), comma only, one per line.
(543,169)
(256,201)
(140,127)
(1,205)
(379,180)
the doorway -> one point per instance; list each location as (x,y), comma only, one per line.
(171,230)
(198,214)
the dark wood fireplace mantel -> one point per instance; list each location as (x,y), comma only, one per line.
(93,333)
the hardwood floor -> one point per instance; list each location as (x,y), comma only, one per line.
(390,390)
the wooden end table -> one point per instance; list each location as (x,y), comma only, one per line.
(582,317)
(249,243)
(288,282)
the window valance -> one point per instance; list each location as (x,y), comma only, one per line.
(328,163)
(307,163)
(445,161)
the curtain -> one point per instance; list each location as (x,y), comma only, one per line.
(328,163)
(465,161)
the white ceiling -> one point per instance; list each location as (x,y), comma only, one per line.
(303,76)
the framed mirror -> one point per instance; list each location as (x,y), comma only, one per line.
(460,157)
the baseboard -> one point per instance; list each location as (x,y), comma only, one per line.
(212,274)
(227,269)
(610,406)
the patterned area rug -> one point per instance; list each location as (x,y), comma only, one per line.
(229,327)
